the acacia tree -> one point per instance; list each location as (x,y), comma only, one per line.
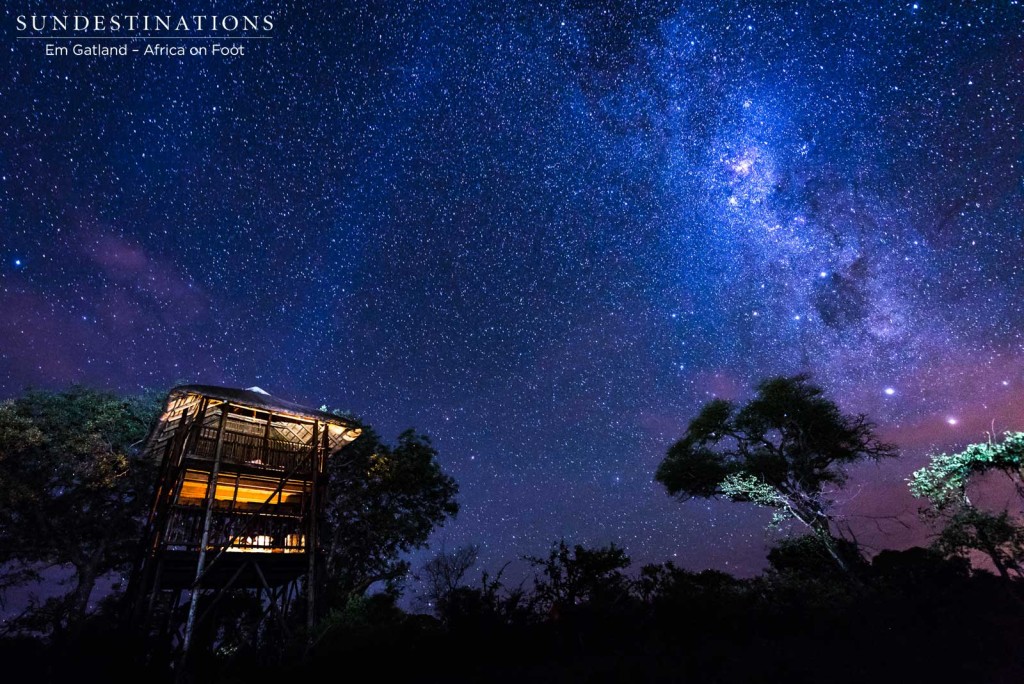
(383,501)
(73,488)
(944,484)
(785,449)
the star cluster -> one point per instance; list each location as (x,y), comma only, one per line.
(542,233)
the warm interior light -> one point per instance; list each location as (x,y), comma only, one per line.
(264,543)
(250,490)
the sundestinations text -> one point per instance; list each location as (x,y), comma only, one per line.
(144,23)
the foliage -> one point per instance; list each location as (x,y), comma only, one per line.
(362,613)
(73,488)
(743,486)
(487,607)
(665,583)
(781,450)
(918,568)
(807,555)
(573,576)
(791,624)
(965,527)
(998,535)
(943,482)
(383,501)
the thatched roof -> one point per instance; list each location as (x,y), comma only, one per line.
(256,398)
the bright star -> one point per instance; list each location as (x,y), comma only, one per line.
(823,274)
(890,391)
(952,421)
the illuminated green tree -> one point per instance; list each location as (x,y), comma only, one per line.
(944,484)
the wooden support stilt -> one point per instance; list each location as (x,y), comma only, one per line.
(211,496)
(270,597)
(221,593)
(311,544)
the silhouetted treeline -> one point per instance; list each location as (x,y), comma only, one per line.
(905,616)
(72,481)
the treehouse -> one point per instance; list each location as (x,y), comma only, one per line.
(239,494)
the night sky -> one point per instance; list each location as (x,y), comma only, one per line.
(542,233)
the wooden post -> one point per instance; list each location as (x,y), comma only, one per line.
(314,468)
(195,431)
(148,583)
(187,446)
(211,495)
(174,444)
(266,439)
(165,493)
(187,443)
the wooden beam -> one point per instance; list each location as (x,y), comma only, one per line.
(266,439)
(270,597)
(222,591)
(211,496)
(314,467)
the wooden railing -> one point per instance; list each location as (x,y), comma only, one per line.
(245,448)
(267,532)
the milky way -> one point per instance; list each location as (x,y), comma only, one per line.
(543,234)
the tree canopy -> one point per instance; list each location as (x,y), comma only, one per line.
(383,501)
(783,449)
(944,484)
(73,489)
(944,480)
(574,576)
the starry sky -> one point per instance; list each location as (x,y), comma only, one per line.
(543,233)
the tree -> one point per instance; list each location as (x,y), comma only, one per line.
(443,575)
(477,610)
(806,555)
(383,501)
(783,450)
(965,527)
(575,576)
(73,487)
(998,535)
(944,480)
